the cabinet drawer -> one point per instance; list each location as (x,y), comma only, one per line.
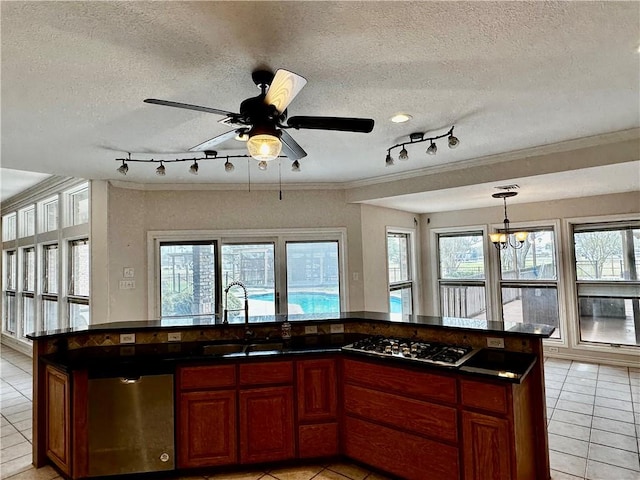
(266,373)
(218,376)
(410,383)
(486,396)
(399,412)
(408,456)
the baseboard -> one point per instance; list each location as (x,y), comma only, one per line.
(19,345)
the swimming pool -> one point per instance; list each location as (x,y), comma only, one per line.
(318,302)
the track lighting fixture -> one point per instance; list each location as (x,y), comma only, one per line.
(295,166)
(194,167)
(419,137)
(124,168)
(506,238)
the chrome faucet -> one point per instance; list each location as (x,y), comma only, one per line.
(246,302)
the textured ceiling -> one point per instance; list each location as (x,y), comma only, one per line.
(508,75)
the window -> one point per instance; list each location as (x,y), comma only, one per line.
(313,280)
(28,290)
(79,206)
(10,285)
(608,289)
(50,287)
(461,275)
(9,227)
(27,222)
(253,264)
(400,273)
(49,221)
(188,278)
(529,281)
(79,282)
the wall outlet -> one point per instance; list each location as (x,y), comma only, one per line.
(127,338)
(552,349)
(127,284)
(174,336)
(310,330)
(493,342)
(337,328)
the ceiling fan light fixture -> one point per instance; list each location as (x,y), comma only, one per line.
(264,146)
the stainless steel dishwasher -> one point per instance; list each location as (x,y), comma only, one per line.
(130,422)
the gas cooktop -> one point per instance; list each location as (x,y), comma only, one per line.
(419,351)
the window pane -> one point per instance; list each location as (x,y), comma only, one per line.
(11,273)
(9,227)
(536,260)
(607,255)
(609,320)
(50,216)
(27,222)
(400,302)
(10,313)
(187,283)
(463,301)
(29,269)
(28,314)
(253,265)
(398,257)
(79,268)
(50,269)
(312,277)
(531,305)
(79,206)
(78,314)
(461,256)
(50,314)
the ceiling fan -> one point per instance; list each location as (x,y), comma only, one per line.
(262,118)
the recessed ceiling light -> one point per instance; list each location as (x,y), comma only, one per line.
(401,118)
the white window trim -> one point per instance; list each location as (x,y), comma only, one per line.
(414,271)
(281,236)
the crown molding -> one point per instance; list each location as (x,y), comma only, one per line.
(225,186)
(46,188)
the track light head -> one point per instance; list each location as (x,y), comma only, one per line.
(453,141)
(262,165)
(295,166)
(404,155)
(124,168)
(193,169)
(389,160)
(433,149)
(161,170)
(228,166)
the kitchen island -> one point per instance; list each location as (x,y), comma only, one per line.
(242,395)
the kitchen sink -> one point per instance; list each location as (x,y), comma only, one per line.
(264,347)
(223,348)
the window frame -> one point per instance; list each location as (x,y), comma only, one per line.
(10,286)
(412,269)
(72,297)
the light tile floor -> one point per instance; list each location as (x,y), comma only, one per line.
(593,416)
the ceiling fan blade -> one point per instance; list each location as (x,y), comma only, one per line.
(344,124)
(284,87)
(189,107)
(290,147)
(212,142)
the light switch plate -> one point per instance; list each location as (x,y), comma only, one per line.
(337,328)
(128,272)
(127,284)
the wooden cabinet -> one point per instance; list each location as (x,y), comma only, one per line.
(486,447)
(394,418)
(58,419)
(317,408)
(206,416)
(266,411)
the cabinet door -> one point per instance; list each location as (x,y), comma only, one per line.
(57,418)
(266,424)
(486,447)
(317,390)
(207,429)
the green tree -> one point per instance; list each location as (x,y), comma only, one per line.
(597,248)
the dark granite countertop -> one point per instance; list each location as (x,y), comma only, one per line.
(468,324)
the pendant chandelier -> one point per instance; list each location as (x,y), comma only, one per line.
(505,238)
